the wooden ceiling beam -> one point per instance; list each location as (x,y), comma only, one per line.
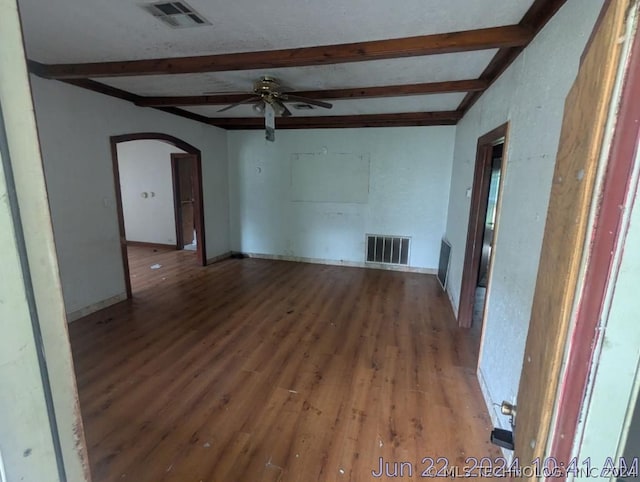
(328,122)
(320,122)
(472,85)
(538,15)
(469,40)
(129,97)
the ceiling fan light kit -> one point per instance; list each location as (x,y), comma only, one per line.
(269,99)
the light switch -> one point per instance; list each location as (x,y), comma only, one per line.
(468,193)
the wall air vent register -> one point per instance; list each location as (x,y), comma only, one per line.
(388,249)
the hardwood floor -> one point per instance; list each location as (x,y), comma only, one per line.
(255,370)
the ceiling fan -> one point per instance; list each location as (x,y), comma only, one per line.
(269,98)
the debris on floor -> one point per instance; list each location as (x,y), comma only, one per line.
(156,266)
(271,465)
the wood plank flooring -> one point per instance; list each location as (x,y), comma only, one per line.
(255,370)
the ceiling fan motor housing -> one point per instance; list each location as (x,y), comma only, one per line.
(267,85)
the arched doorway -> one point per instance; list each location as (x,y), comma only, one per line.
(198,205)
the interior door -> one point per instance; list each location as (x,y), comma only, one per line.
(184,185)
(565,238)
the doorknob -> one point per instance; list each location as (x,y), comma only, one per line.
(504,438)
(508,409)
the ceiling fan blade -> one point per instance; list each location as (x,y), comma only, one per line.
(305,100)
(225,92)
(250,98)
(285,112)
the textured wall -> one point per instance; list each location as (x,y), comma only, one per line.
(74,126)
(409,173)
(530,95)
(145,166)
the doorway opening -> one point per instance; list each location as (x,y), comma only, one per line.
(158,186)
(183,168)
(483,221)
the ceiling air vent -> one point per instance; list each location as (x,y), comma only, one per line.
(176,14)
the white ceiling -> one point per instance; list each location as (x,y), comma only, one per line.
(75,31)
(432,68)
(64,31)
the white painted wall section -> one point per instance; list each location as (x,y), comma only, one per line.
(377,181)
(145,168)
(74,126)
(23,411)
(609,427)
(530,95)
(36,368)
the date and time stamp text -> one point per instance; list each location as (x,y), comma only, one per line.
(499,467)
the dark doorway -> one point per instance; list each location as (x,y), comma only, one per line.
(183,169)
(488,236)
(492,212)
(483,217)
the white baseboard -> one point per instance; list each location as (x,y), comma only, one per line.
(493,410)
(218,258)
(454,305)
(350,264)
(100,305)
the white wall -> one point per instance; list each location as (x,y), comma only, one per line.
(530,95)
(145,166)
(608,421)
(36,368)
(25,425)
(74,126)
(409,176)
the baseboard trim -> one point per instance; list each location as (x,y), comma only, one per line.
(493,410)
(101,305)
(349,264)
(454,306)
(144,244)
(220,257)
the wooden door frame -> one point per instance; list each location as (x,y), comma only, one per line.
(477,216)
(574,272)
(198,204)
(606,236)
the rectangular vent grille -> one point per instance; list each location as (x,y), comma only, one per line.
(388,249)
(176,14)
